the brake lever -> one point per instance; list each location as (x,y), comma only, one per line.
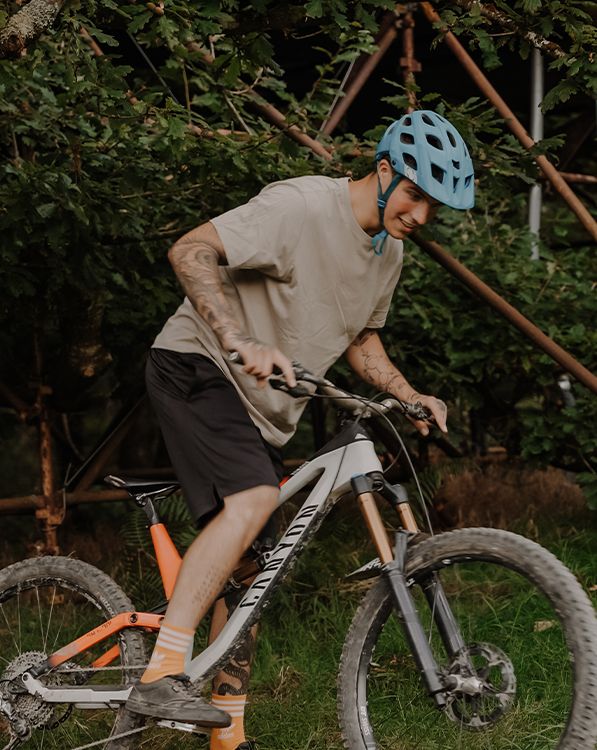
(419,412)
(281,385)
(278,383)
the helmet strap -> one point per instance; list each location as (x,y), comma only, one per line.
(383,196)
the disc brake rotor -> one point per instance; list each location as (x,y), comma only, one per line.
(497,690)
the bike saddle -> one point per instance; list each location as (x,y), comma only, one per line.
(143,487)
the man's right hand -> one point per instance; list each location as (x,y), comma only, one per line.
(260,360)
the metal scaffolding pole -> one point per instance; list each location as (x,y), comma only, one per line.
(409,64)
(361,78)
(524,325)
(535,196)
(513,123)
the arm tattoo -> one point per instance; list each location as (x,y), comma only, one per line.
(379,372)
(197,271)
(376,368)
(363,336)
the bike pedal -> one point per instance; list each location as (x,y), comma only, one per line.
(182,726)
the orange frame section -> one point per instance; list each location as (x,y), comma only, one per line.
(168,557)
(169,562)
(123,620)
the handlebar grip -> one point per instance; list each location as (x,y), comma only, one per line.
(297,391)
(280,385)
(235,358)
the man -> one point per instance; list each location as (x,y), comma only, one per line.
(305,270)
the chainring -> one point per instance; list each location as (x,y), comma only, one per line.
(493,667)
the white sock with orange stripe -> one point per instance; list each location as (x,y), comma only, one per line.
(169,653)
(229,738)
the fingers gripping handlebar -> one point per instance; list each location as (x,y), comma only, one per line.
(343,399)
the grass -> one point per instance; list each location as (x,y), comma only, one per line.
(293,699)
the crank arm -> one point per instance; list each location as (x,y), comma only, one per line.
(182,726)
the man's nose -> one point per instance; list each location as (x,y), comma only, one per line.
(420,213)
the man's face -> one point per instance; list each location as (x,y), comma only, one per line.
(407,209)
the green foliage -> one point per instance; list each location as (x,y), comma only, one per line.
(588,482)
(109,159)
(567,24)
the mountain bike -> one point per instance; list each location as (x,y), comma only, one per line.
(474,638)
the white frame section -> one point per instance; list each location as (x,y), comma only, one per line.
(332,472)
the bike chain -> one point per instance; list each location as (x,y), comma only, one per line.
(120,736)
(90,670)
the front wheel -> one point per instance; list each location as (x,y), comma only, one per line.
(531,638)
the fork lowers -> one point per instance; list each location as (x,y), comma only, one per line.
(393,571)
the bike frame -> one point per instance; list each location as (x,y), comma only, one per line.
(350,454)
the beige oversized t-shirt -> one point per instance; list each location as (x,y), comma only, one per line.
(301,276)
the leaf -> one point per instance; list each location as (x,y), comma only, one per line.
(140,21)
(100,36)
(314,9)
(540,626)
(45,210)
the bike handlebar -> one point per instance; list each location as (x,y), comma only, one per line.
(363,408)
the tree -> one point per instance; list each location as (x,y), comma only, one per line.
(126,123)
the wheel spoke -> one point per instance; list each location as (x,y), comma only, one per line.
(49,602)
(9,628)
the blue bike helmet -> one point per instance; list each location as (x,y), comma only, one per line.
(426,149)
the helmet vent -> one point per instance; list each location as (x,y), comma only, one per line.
(434,141)
(409,160)
(437,172)
(451,139)
(456,164)
(455,182)
(407,138)
(427,119)
(408,121)
(467,180)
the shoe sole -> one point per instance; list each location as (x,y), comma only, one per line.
(177,716)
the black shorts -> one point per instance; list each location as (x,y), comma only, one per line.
(215,448)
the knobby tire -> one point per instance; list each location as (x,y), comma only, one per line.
(54,590)
(396,726)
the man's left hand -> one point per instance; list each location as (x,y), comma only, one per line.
(438,409)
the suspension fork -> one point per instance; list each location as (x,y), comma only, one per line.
(393,568)
(432,588)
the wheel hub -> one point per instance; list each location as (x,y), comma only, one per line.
(481,686)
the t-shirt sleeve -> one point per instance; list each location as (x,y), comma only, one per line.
(262,234)
(380,313)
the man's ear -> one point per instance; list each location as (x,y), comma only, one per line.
(384,167)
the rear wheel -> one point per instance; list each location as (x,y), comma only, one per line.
(531,640)
(46,603)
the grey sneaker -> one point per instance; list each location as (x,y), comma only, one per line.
(246,746)
(171,698)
